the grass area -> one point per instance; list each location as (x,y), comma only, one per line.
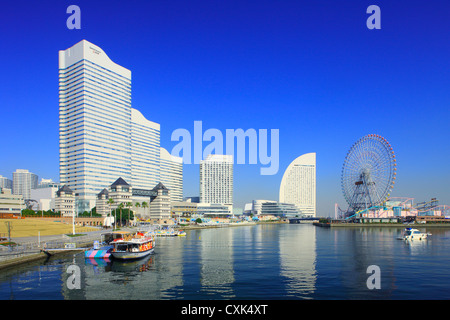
(29,227)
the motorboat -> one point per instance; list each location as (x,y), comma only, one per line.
(414,234)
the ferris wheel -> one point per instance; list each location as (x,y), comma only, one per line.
(368,173)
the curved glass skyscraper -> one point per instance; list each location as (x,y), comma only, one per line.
(298,185)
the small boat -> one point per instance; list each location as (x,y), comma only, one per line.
(181,233)
(414,234)
(98,252)
(103,249)
(133,246)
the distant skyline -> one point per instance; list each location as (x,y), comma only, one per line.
(311,69)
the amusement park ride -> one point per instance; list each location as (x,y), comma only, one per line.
(367,179)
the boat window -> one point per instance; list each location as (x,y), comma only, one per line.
(122,247)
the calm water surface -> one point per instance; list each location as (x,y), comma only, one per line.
(258,262)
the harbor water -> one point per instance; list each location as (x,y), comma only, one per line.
(258,262)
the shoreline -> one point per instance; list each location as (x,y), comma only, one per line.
(30,257)
(385,225)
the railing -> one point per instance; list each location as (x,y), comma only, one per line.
(25,249)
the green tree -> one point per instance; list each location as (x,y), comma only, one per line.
(110,202)
(137,205)
(121,205)
(144,205)
(129,205)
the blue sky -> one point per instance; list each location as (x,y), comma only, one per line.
(311,69)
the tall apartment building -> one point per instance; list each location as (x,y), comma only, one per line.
(216,179)
(171,174)
(23,182)
(101,136)
(298,185)
(6,183)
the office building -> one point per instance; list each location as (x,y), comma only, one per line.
(145,151)
(101,136)
(216,179)
(171,174)
(298,185)
(23,182)
(94,121)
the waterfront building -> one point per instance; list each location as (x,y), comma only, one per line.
(272,208)
(65,201)
(298,185)
(216,179)
(101,136)
(281,210)
(94,121)
(145,151)
(23,182)
(10,204)
(171,174)
(160,203)
(121,192)
(101,204)
(215,210)
(183,210)
(256,206)
(6,183)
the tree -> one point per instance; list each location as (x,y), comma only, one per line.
(137,205)
(120,209)
(144,205)
(129,205)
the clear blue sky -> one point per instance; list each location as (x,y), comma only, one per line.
(311,69)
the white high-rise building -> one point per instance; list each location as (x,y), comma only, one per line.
(216,179)
(101,136)
(23,182)
(145,142)
(171,174)
(6,183)
(298,185)
(94,120)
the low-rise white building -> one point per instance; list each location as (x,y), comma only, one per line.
(65,202)
(10,203)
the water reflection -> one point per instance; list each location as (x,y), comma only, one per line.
(279,261)
(297,245)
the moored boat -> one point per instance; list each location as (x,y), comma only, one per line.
(133,246)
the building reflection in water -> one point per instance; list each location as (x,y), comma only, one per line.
(148,278)
(216,273)
(298,260)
